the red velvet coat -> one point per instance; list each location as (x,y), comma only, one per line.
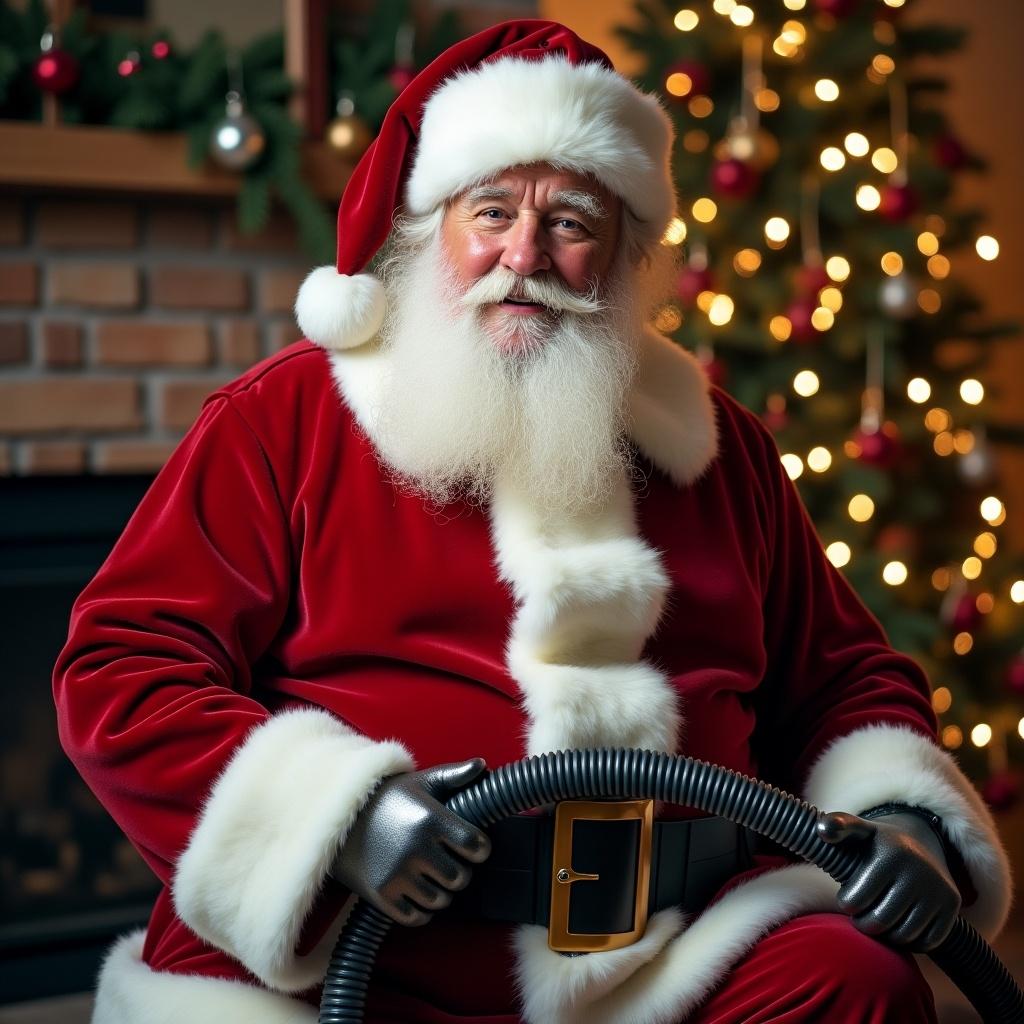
(273,570)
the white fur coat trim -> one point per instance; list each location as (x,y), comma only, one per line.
(671,413)
(266,838)
(883,763)
(129,992)
(665,976)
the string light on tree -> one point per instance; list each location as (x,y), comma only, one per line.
(837,268)
(675,233)
(776,231)
(742,16)
(868,197)
(838,553)
(894,573)
(992,510)
(856,144)
(981,734)
(972,391)
(806,383)
(1017,592)
(927,243)
(819,459)
(861,508)
(987,247)
(832,158)
(826,90)
(792,464)
(686,20)
(919,390)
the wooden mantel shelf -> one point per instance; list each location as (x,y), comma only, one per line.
(116,160)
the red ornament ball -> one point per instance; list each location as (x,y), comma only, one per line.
(161,49)
(698,74)
(898,202)
(965,618)
(400,76)
(55,71)
(734,178)
(949,152)
(799,315)
(837,8)
(1015,676)
(1001,790)
(692,282)
(129,64)
(879,447)
(810,279)
(896,539)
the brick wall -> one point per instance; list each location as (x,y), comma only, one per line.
(118,317)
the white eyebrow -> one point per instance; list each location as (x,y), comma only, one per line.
(586,203)
(487,192)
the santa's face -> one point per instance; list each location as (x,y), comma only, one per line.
(542,224)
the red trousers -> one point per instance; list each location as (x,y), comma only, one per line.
(812,970)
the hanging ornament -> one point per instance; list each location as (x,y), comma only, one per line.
(745,139)
(55,70)
(775,417)
(881,447)
(949,152)
(877,439)
(348,135)
(1001,790)
(799,314)
(811,276)
(977,467)
(697,74)
(898,296)
(1015,675)
(837,8)
(897,202)
(895,539)
(964,616)
(734,179)
(404,69)
(161,49)
(695,276)
(129,64)
(237,140)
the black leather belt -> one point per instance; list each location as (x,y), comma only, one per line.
(598,883)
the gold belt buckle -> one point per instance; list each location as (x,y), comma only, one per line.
(563,876)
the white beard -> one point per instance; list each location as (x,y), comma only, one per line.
(456,413)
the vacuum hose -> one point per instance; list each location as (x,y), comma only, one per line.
(620,774)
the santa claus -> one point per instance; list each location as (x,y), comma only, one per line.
(485,511)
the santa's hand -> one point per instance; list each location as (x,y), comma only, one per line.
(901,891)
(407,853)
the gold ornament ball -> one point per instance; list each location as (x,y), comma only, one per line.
(348,136)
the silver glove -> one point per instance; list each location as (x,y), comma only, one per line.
(902,890)
(406,852)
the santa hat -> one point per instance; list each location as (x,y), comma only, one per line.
(521,92)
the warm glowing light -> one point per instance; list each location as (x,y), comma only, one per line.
(794,5)
(892,263)
(883,64)
(861,509)
(894,573)
(742,16)
(695,141)
(793,31)
(675,233)
(725,7)
(884,159)
(938,266)
(937,419)
(686,20)
(784,49)
(962,643)
(919,390)
(792,464)
(952,737)
(856,144)
(972,391)
(868,197)
(746,262)
(944,443)
(700,106)
(1020,728)
(927,243)
(678,84)
(704,300)
(780,328)
(806,383)
(929,300)
(832,158)
(963,441)
(721,310)
(941,579)
(985,603)
(837,267)
(766,100)
(987,247)
(971,567)
(884,33)
(819,459)
(826,90)
(704,210)
(985,544)
(894,3)
(776,229)
(838,553)
(669,319)
(822,318)
(942,700)
(981,734)
(991,509)
(1017,592)
(831,298)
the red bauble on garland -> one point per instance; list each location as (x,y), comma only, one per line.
(898,202)
(965,617)
(880,447)
(896,539)
(810,279)
(55,71)
(734,178)
(949,152)
(129,64)
(697,73)
(799,315)
(692,282)
(837,8)
(1015,676)
(161,49)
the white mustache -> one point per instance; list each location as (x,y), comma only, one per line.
(502,283)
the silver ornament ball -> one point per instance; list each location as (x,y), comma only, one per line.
(237,140)
(977,467)
(898,296)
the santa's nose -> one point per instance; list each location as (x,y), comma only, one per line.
(525,249)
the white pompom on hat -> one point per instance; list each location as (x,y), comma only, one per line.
(522,92)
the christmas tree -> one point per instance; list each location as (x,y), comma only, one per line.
(819,284)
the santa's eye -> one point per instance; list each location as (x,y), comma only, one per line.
(492,214)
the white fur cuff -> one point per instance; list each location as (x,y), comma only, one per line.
(268,834)
(883,763)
